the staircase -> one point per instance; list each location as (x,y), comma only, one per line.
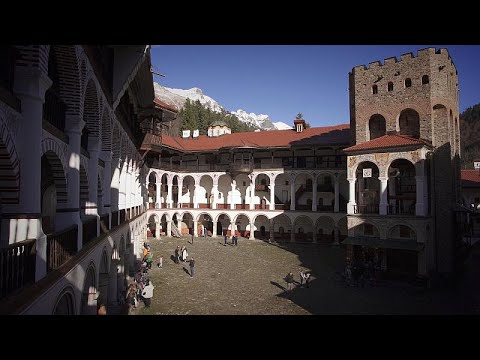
(175,231)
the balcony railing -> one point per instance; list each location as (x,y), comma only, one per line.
(366,209)
(400,210)
(61,246)
(325,208)
(17,266)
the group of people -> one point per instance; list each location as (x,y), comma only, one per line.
(304,279)
(234,240)
(142,288)
(181,254)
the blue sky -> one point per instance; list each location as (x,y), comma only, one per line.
(283,80)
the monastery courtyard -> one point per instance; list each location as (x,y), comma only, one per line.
(249,280)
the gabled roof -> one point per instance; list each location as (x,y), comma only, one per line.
(328,135)
(471,178)
(388,141)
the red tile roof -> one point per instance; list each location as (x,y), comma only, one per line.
(387,141)
(164,105)
(328,135)
(470,178)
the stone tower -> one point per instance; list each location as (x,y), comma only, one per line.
(408,109)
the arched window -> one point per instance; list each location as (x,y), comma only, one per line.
(408,82)
(374,89)
(390,86)
(409,123)
(425,79)
(377,126)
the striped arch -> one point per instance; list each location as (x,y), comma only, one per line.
(69,76)
(238,215)
(106,131)
(91,109)
(56,158)
(9,168)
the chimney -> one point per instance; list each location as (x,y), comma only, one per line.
(299,125)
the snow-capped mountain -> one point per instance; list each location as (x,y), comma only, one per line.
(178,97)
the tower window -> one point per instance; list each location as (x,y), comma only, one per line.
(425,79)
(375,89)
(390,86)
(408,82)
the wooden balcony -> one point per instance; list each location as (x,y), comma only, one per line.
(17,266)
(61,246)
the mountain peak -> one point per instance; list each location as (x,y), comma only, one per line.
(178,97)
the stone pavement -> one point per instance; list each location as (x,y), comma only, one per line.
(249,279)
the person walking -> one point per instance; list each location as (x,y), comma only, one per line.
(307,280)
(177,255)
(192,266)
(302,278)
(192,236)
(147,293)
(289,280)
(160,262)
(225,238)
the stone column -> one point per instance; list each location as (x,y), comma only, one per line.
(214,233)
(30,87)
(122,204)
(336,231)
(420,208)
(272,195)
(252,232)
(169,229)
(383,195)
(158,195)
(337,194)
(292,233)
(169,194)
(195,228)
(180,186)
(195,195)
(252,193)
(314,235)
(292,193)
(215,195)
(92,204)
(351,197)
(232,229)
(232,198)
(106,156)
(315,194)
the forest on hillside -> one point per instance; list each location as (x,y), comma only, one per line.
(470,135)
(196,116)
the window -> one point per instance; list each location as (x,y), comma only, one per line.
(425,79)
(390,86)
(281,230)
(244,183)
(219,195)
(374,89)
(408,82)
(368,229)
(300,230)
(286,182)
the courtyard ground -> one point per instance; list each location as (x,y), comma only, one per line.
(248,279)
